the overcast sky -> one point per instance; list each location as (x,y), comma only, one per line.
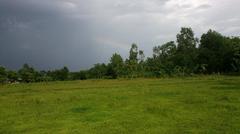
(49,34)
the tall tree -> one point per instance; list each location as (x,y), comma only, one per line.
(141,56)
(212,51)
(141,64)
(116,65)
(133,54)
(132,61)
(235,42)
(186,39)
(186,50)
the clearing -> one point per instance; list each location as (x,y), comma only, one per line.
(199,105)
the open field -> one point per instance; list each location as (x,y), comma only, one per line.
(201,105)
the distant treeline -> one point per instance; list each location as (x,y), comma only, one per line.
(213,53)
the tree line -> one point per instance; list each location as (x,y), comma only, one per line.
(212,53)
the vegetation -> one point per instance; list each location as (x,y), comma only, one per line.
(201,104)
(208,104)
(213,54)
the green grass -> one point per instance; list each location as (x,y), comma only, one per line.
(200,105)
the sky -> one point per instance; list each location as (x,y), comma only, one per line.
(50,34)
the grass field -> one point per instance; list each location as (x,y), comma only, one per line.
(200,105)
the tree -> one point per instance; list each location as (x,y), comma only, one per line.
(133,54)
(186,53)
(166,50)
(141,64)
(111,72)
(235,44)
(60,74)
(152,67)
(132,61)
(141,56)
(12,76)
(213,50)
(163,57)
(64,72)
(81,75)
(44,76)
(98,71)
(27,73)
(115,68)
(186,39)
(3,75)
(215,54)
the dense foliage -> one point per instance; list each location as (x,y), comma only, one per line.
(214,53)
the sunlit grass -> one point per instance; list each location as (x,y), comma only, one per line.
(166,106)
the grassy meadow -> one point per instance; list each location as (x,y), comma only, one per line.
(198,105)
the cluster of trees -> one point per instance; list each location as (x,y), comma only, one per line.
(28,74)
(212,53)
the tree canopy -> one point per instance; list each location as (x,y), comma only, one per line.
(214,53)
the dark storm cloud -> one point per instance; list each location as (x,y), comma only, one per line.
(52,33)
(43,35)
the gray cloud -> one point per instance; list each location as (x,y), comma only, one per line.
(78,33)
(204,6)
